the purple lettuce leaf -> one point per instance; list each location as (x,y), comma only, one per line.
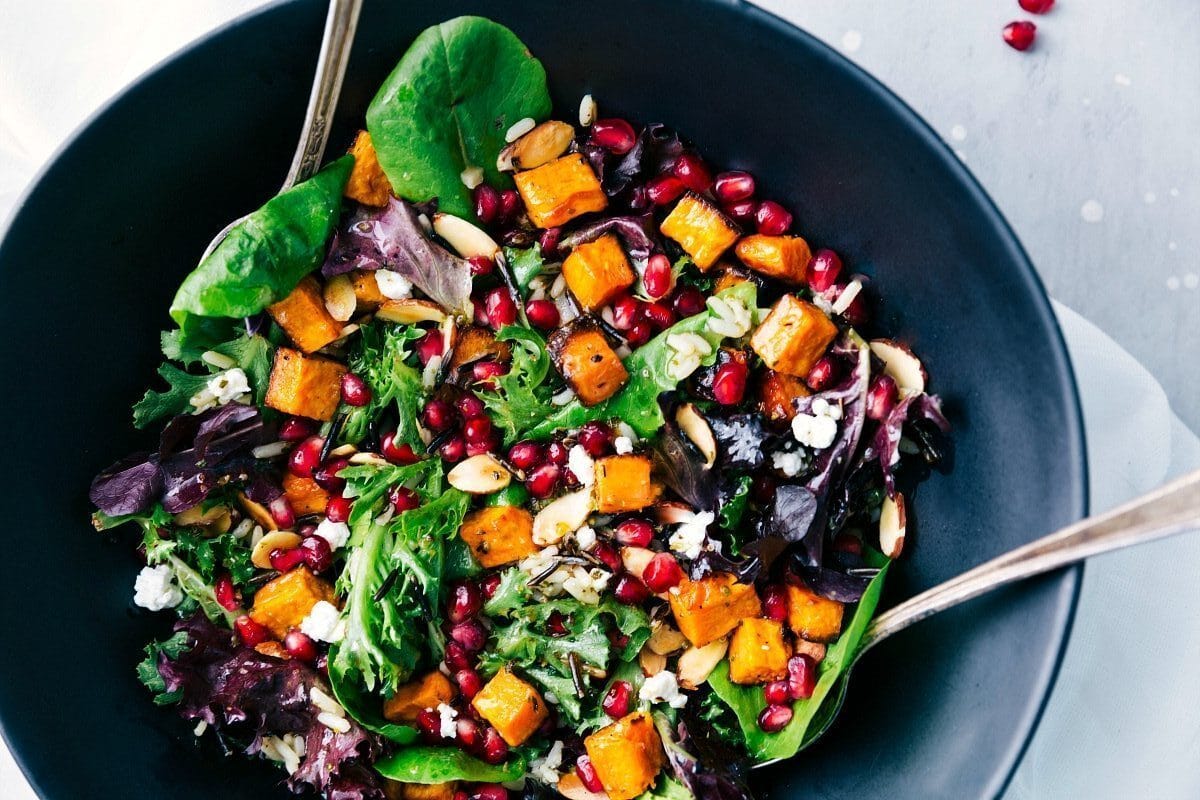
(885,444)
(657,148)
(683,469)
(703,764)
(834,584)
(129,486)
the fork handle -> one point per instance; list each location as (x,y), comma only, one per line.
(340,24)
(1169,510)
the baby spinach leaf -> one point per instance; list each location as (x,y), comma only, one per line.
(447,106)
(265,255)
(429,765)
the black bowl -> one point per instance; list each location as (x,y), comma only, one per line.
(97,248)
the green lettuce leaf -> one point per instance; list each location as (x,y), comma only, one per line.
(181,387)
(147,668)
(521,398)
(526,264)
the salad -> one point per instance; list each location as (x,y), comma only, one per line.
(511,456)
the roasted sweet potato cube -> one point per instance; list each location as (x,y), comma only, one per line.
(793,336)
(427,791)
(283,603)
(499,535)
(757,652)
(701,229)
(514,708)
(367,184)
(428,691)
(812,617)
(304,318)
(477,343)
(708,608)
(623,483)
(627,755)
(560,191)
(730,277)
(782,257)
(778,394)
(581,353)
(304,386)
(304,494)
(598,272)
(366,290)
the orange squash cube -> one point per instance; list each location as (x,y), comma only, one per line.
(303,316)
(514,708)
(730,277)
(757,652)
(793,336)
(427,791)
(283,603)
(582,355)
(427,692)
(477,343)
(304,494)
(598,272)
(707,609)
(778,394)
(499,535)
(304,386)
(367,184)
(812,617)
(560,191)
(627,755)
(366,290)
(782,257)
(623,483)
(701,230)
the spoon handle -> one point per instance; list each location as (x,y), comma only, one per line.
(340,25)
(1171,509)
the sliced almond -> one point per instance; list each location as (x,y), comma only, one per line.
(260,556)
(373,459)
(665,639)
(892,524)
(257,512)
(651,662)
(696,428)
(540,146)
(565,515)
(410,312)
(216,519)
(479,474)
(814,650)
(900,365)
(635,560)
(340,300)
(672,512)
(466,239)
(343,451)
(571,787)
(697,663)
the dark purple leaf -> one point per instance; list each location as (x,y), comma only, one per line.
(129,486)
(683,470)
(185,485)
(657,148)
(263,489)
(833,584)
(217,425)
(704,765)
(634,232)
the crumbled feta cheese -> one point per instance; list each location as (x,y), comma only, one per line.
(585,537)
(228,385)
(823,408)
(546,769)
(336,533)
(662,688)
(323,623)
(623,445)
(448,721)
(393,285)
(581,465)
(728,317)
(155,588)
(688,351)
(790,464)
(586,585)
(689,538)
(813,431)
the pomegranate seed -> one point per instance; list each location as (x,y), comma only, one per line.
(337,508)
(548,242)
(327,478)
(318,554)
(823,270)
(626,311)
(306,457)
(495,749)
(499,307)
(355,391)
(618,639)
(688,302)
(587,775)
(307,529)
(465,602)
(403,498)
(510,204)
(847,543)
(733,186)
(802,676)
(481,265)
(823,374)
(525,455)
(460,794)
(635,533)
(543,480)
(557,624)
(729,383)
(487,203)
(662,573)
(1020,35)
(659,315)
(225,593)
(608,555)
(618,700)
(775,718)
(477,429)
(250,632)
(881,397)
(775,604)
(488,444)
(282,513)
(741,211)
(778,693)
(469,682)
(300,647)
(479,314)
(470,634)
(556,453)
(639,333)
(491,791)
(857,312)
(772,218)
(1036,6)
(489,585)
(614,135)
(429,346)
(664,189)
(631,591)
(763,488)
(657,277)
(456,658)
(397,452)
(542,314)
(596,438)
(437,415)
(469,735)
(693,172)
(294,429)
(286,560)
(469,406)
(483,372)
(429,723)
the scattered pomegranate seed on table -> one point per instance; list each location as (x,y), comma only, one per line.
(1036,6)
(1020,35)
(772,218)
(823,270)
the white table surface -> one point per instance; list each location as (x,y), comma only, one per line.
(1103,113)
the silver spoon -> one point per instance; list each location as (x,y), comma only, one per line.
(340,24)
(1169,510)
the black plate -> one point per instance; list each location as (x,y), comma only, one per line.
(97,248)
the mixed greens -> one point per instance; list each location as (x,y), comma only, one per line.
(509,457)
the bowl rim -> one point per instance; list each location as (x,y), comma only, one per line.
(1013,251)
